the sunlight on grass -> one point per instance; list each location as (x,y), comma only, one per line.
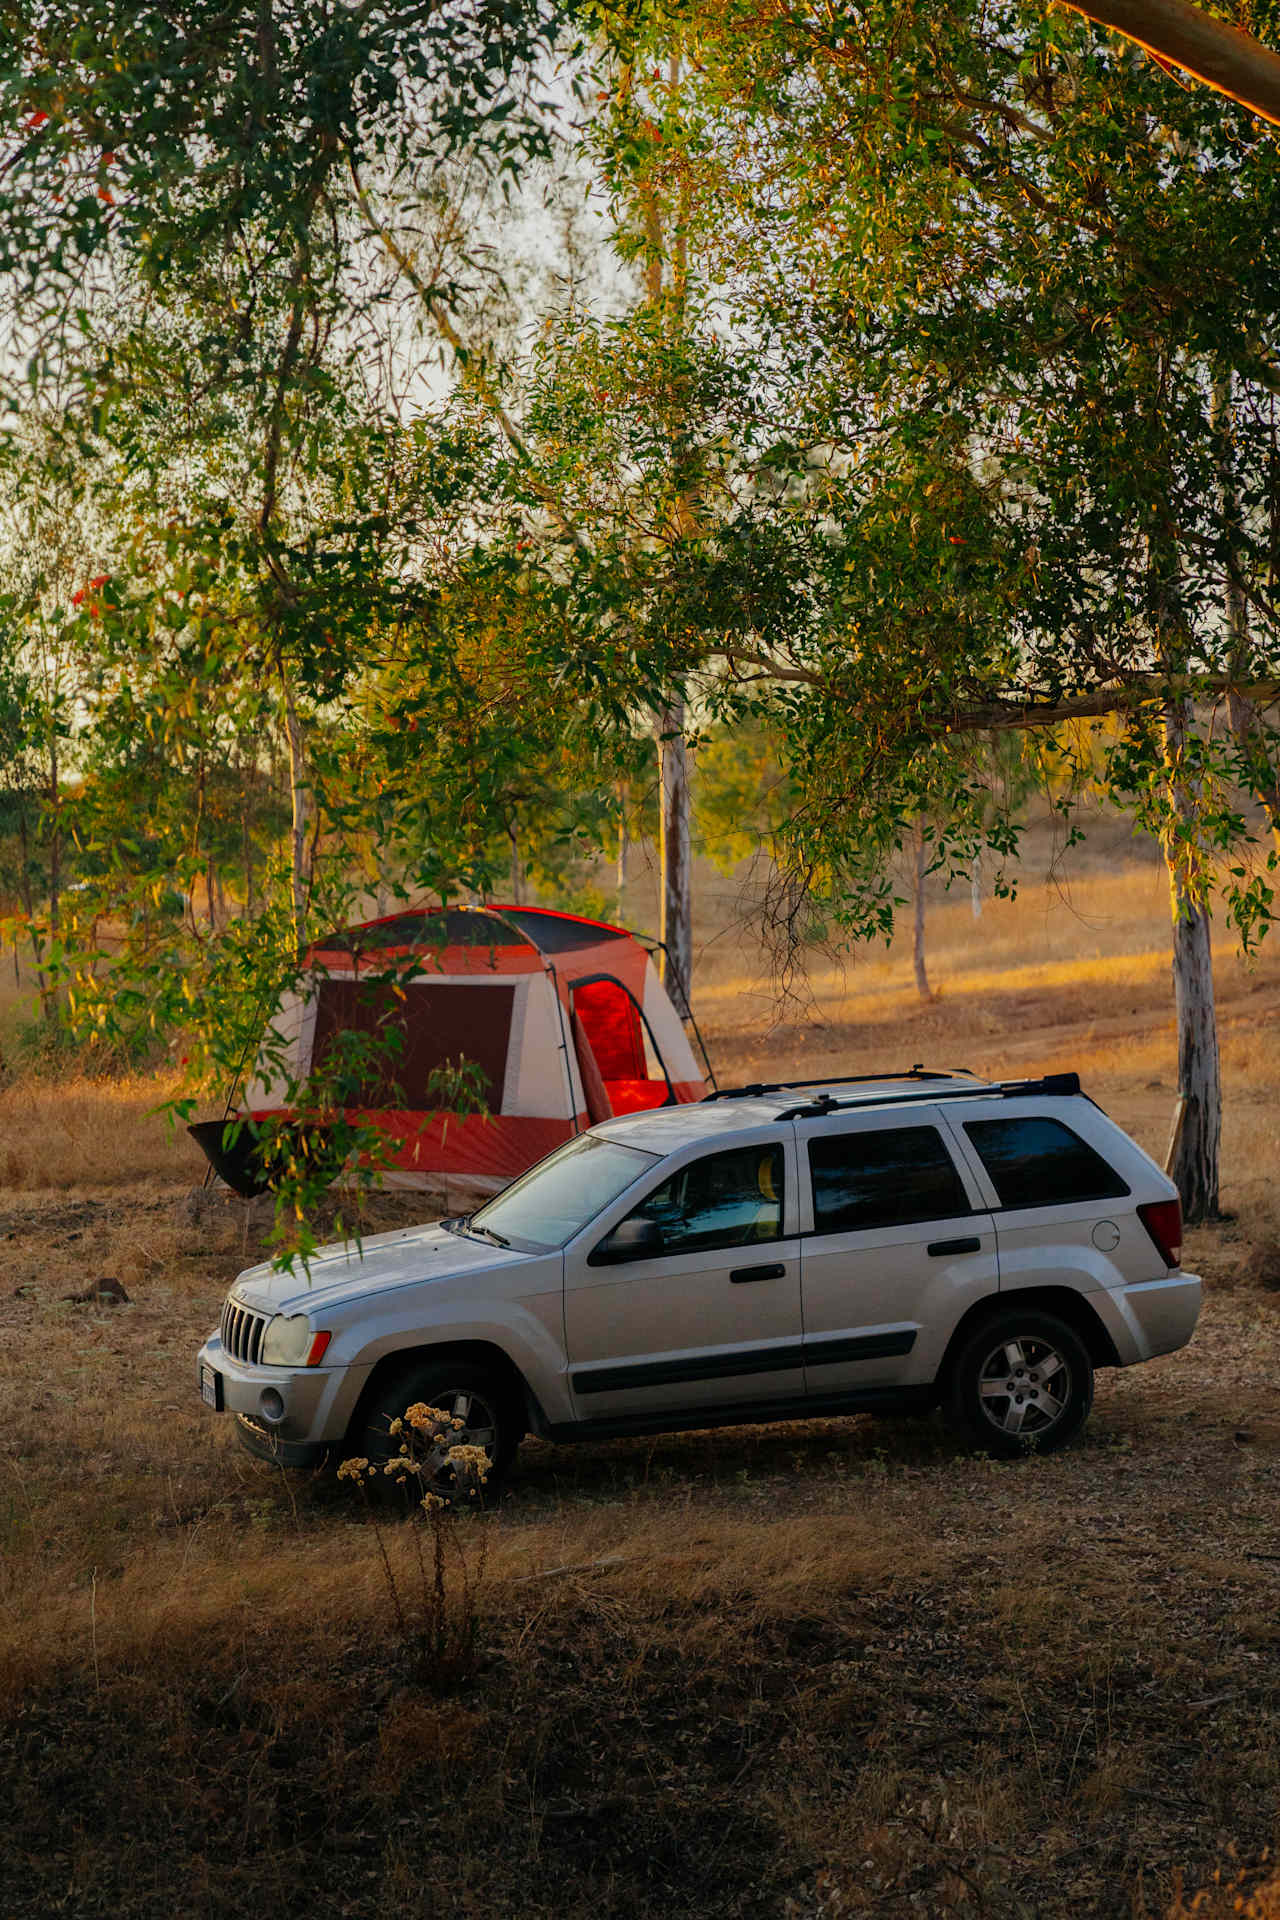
(69,1131)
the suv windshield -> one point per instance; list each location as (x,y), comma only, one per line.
(549,1204)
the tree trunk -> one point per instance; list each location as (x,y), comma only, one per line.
(917,932)
(1193,1148)
(624,799)
(674,853)
(975,886)
(246,829)
(517,878)
(299,852)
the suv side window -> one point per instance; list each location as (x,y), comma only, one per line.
(886,1178)
(1038,1162)
(723,1200)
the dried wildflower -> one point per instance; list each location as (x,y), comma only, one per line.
(469,1460)
(425,1419)
(353,1469)
(430,1502)
(397,1426)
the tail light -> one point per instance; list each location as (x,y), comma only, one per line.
(1163,1221)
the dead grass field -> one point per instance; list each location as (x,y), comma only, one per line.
(808,1671)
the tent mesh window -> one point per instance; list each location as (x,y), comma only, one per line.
(557,933)
(426,1027)
(455,927)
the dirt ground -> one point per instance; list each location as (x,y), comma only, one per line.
(811,1670)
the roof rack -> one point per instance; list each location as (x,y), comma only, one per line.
(758,1087)
(1049,1083)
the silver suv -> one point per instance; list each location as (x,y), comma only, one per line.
(769,1253)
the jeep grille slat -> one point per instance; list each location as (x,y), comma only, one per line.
(242,1331)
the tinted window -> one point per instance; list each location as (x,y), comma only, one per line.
(724,1200)
(883,1179)
(1037,1162)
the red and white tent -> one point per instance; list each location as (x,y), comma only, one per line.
(565,1017)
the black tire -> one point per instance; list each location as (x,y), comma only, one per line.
(1007,1389)
(483,1400)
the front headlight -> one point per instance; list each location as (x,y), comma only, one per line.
(290,1341)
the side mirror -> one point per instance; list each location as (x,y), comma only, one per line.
(630,1240)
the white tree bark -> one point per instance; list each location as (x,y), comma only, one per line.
(675,857)
(517,874)
(624,802)
(917,932)
(1193,1149)
(299,795)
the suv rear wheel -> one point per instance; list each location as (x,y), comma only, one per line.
(1021,1383)
(460,1390)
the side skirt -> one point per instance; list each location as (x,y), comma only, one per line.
(750,1413)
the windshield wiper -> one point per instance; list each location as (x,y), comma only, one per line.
(487,1233)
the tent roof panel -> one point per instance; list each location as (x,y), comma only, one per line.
(494,927)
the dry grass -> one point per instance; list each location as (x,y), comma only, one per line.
(79,1131)
(831,1668)
(807,1671)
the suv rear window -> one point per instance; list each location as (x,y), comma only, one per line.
(1037,1162)
(886,1177)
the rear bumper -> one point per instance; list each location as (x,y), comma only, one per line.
(1165,1312)
(1153,1317)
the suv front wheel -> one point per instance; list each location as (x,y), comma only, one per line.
(1021,1383)
(462,1392)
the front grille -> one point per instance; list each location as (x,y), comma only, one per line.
(242,1331)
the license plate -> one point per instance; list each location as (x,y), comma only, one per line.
(211,1388)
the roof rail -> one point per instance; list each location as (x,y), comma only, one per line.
(758,1087)
(1049,1083)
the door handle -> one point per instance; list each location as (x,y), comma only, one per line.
(774,1272)
(939,1248)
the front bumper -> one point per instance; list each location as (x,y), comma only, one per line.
(292,1416)
(264,1444)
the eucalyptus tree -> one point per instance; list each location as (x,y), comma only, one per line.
(184,285)
(995,270)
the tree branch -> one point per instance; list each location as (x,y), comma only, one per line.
(1222,56)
